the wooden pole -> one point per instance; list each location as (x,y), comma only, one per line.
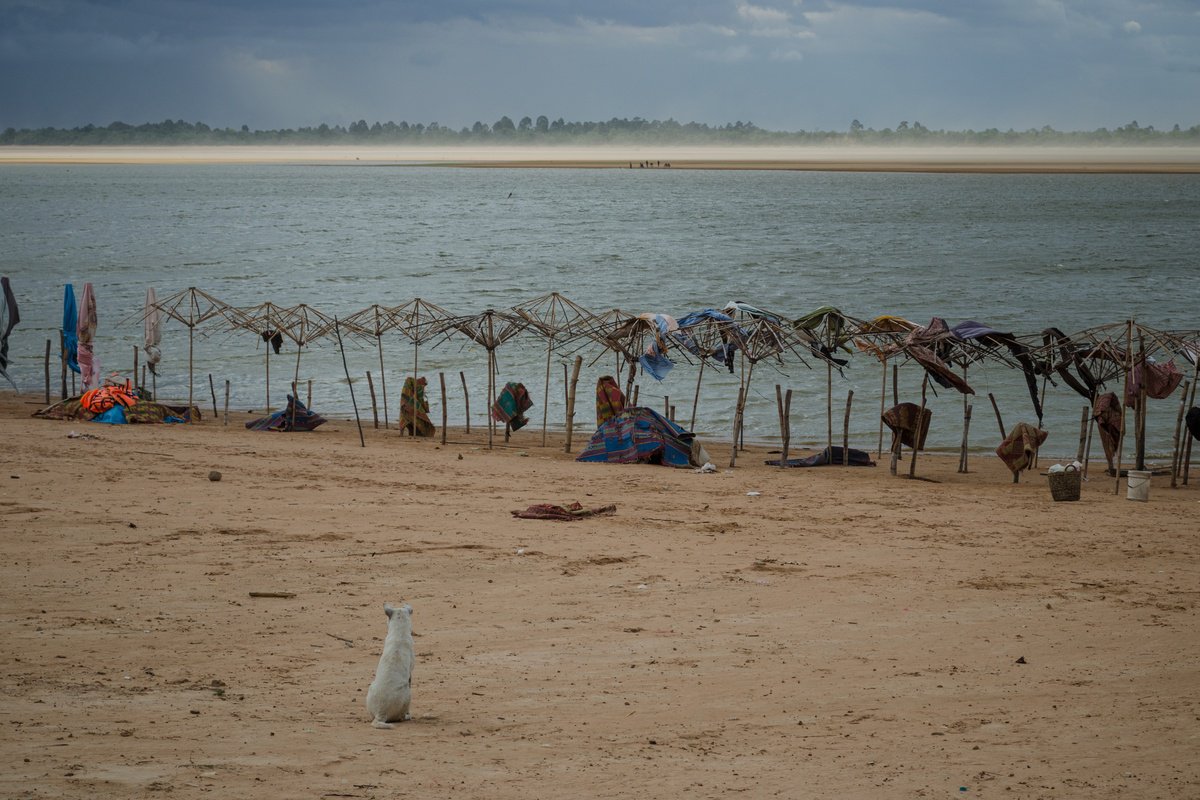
(779,412)
(268,349)
(667,406)
(1124,394)
(295,399)
(213,389)
(1083,426)
(309,395)
(962,458)
(1178,426)
(337,329)
(466,400)
(62,350)
(696,399)
(920,432)
(1187,451)
(846,431)
(374,407)
(383,383)
(135,367)
(442,381)
(895,384)
(143,383)
(787,426)
(546,399)
(191,334)
(1087,449)
(48,372)
(737,410)
(226,403)
(1139,430)
(882,401)
(741,417)
(999,421)
(571,401)
(636,390)
(828,407)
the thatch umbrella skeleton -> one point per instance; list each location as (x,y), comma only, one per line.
(193,307)
(489,329)
(558,320)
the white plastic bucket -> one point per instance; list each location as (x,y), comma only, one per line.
(1138,487)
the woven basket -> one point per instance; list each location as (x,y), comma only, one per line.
(1065,485)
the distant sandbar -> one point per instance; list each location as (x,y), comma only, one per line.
(658,156)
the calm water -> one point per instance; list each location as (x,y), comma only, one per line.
(1018,252)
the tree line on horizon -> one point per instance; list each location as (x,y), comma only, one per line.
(544,131)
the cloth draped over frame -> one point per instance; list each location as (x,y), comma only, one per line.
(294,417)
(1107,413)
(610,400)
(642,435)
(152,332)
(70,328)
(654,361)
(9,317)
(938,370)
(140,411)
(902,420)
(1159,381)
(731,336)
(89,365)
(1020,447)
(414,408)
(511,404)
(970,329)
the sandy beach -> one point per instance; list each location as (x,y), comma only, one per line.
(833,158)
(839,632)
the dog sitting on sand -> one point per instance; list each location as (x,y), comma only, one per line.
(390,693)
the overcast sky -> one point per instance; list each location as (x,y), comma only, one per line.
(782,64)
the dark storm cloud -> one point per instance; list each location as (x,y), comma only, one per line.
(782,63)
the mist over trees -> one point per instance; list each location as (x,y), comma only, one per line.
(543,131)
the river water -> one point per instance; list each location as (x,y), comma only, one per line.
(1017,252)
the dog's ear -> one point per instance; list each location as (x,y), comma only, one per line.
(388,610)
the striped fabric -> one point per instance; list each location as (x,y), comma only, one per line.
(639,435)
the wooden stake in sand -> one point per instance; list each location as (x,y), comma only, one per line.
(227,403)
(571,400)
(1083,426)
(442,381)
(135,366)
(1124,394)
(308,397)
(1178,426)
(912,463)
(62,350)
(338,331)
(962,452)
(48,372)
(374,405)
(999,421)
(787,427)
(882,400)
(846,432)
(1187,450)
(1087,448)
(466,401)
(212,388)
(737,413)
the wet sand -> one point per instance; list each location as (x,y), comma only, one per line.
(841,633)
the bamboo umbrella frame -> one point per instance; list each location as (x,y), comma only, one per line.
(707,338)
(762,339)
(1112,354)
(489,329)
(872,337)
(372,323)
(419,321)
(192,307)
(828,330)
(557,319)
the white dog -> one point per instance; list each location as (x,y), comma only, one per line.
(390,693)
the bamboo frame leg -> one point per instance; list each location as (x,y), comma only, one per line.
(1178,427)
(1187,451)
(442,381)
(882,401)
(212,388)
(227,403)
(846,431)
(696,399)
(462,376)
(383,385)
(546,394)
(1083,426)
(920,432)
(47,372)
(571,401)
(737,410)
(787,426)
(374,406)
(1124,394)
(963,455)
